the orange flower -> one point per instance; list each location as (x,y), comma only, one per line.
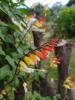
(33,57)
(42,19)
(56,60)
(37,24)
(39,54)
(73,82)
(46,27)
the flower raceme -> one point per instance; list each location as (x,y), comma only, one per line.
(24,68)
(32,58)
(69,83)
(39,22)
(54,61)
(42,19)
(29,17)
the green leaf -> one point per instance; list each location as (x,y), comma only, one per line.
(28,95)
(5,72)
(3,24)
(56,97)
(15,82)
(10,61)
(9,38)
(48,98)
(24,11)
(16,55)
(5,36)
(1,35)
(13,27)
(11,95)
(20,51)
(2,51)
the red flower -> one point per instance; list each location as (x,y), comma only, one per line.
(44,52)
(48,48)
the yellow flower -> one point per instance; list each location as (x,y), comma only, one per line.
(22,65)
(29,61)
(66,86)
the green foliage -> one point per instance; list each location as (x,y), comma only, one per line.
(73,63)
(11,95)
(5,72)
(35,95)
(12,28)
(71,2)
(66,22)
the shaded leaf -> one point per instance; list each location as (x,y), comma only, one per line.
(5,72)
(2,51)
